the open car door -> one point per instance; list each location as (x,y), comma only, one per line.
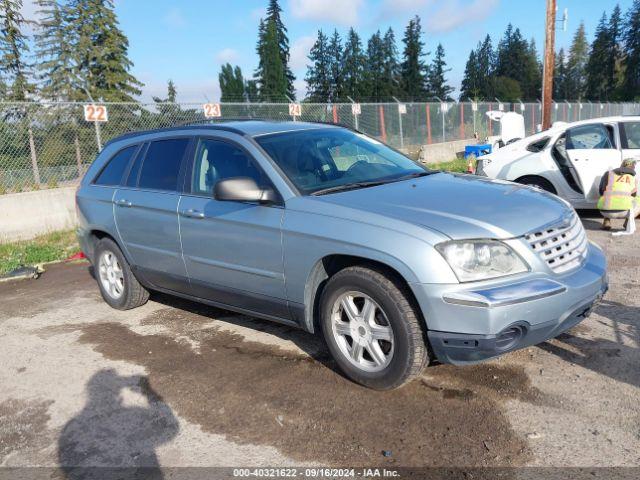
(592,153)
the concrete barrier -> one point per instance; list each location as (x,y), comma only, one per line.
(28,214)
(443,152)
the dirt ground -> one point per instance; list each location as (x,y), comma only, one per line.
(175,383)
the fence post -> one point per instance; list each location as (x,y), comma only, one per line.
(400,122)
(98,136)
(461,121)
(383,130)
(34,157)
(76,141)
(335,114)
(429,140)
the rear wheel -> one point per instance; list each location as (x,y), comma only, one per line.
(539,182)
(119,288)
(372,329)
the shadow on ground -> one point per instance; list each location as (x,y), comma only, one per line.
(108,434)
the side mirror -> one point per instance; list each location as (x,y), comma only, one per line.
(243,189)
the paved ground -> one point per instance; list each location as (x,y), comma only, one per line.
(175,383)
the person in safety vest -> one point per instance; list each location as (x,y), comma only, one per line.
(618,189)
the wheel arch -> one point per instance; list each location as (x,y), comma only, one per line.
(331,264)
(544,179)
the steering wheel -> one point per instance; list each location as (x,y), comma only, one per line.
(356,165)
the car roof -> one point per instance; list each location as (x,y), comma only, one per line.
(251,128)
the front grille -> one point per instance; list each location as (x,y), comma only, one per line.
(562,247)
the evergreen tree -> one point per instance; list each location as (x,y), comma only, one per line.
(53,52)
(577,64)
(251,89)
(437,81)
(597,86)
(518,59)
(231,84)
(169,111)
(334,52)
(391,67)
(273,14)
(318,76)
(353,63)
(486,58)
(560,90)
(615,56)
(470,86)
(375,68)
(413,69)
(273,82)
(631,84)
(13,51)
(100,51)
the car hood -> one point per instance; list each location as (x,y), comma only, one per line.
(458,206)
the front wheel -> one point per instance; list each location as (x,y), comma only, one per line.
(372,329)
(118,286)
(538,182)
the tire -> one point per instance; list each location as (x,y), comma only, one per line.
(393,317)
(118,286)
(541,183)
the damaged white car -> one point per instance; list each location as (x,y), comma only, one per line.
(568,159)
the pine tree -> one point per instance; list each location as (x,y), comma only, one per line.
(470,86)
(560,90)
(615,56)
(318,76)
(273,83)
(517,59)
(576,65)
(353,63)
(334,51)
(14,51)
(169,111)
(374,71)
(232,87)
(531,81)
(100,51)
(437,81)
(631,84)
(273,14)
(251,89)
(413,69)
(53,52)
(486,58)
(597,87)
(391,67)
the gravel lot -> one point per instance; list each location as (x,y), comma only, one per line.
(175,383)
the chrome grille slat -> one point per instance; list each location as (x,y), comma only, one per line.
(562,248)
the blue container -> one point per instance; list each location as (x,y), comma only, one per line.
(477,150)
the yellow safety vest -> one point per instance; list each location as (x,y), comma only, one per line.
(618,193)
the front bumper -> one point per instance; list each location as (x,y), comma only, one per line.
(467,325)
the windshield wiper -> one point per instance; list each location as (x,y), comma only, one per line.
(416,175)
(348,186)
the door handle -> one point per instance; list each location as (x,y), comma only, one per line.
(124,203)
(191,213)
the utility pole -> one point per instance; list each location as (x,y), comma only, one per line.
(549,60)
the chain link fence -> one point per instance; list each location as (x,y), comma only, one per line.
(45,145)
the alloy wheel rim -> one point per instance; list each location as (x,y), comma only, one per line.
(111,274)
(362,331)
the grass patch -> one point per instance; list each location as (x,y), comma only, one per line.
(44,248)
(458,165)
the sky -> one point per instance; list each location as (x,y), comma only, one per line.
(188,41)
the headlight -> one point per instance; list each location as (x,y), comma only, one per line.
(481,259)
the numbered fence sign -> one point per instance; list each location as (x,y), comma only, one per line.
(95,113)
(295,109)
(402,108)
(355,109)
(474,106)
(501,107)
(212,110)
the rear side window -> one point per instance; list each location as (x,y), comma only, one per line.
(161,166)
(114,170)
(630,135)
(538,145)
(589,137)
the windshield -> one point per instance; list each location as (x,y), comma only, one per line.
(331,158)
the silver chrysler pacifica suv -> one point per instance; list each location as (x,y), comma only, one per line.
(328,229)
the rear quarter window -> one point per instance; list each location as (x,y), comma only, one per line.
(630,135)
(113,171)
